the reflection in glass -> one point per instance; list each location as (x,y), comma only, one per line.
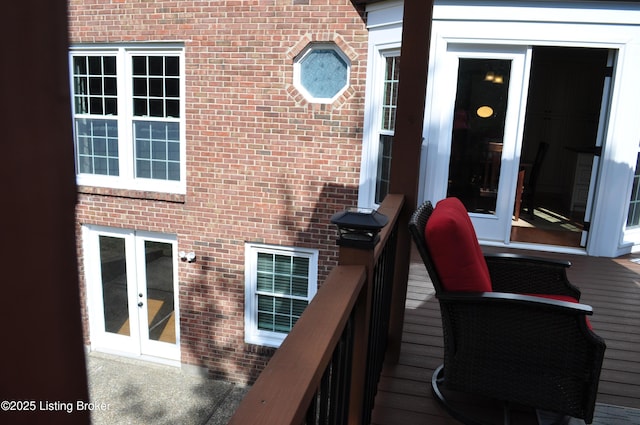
(160,302)
(476,142)
(114,285)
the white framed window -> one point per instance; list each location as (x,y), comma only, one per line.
(279,284)
(321,72)
(387,127)
(128,117)
(633,217)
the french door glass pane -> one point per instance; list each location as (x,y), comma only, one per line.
(114,285)
(160,302)
(478,131)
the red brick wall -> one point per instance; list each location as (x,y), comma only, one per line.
(263,164)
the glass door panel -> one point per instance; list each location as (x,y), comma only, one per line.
(474,131)
(132,291)
(113,269)
(478,132)
(160,291)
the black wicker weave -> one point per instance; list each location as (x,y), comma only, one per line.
(512,347)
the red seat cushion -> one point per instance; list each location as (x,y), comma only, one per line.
(454,248)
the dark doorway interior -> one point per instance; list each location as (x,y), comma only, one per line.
(563,108)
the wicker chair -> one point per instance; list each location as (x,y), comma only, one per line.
(536,350)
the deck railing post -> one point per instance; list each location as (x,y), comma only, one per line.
(361,315)
(372,310)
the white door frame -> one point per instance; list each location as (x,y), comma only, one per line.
(618,159)
(137,343)
(495,227)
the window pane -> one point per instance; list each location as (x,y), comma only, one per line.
(156,87)
(95,65)
(265,321)
(156,65)
(172,87)
(111,106)
(156,108)
(95,85)
(93,92)
(173,150)
(143,169)
(109,65)
(81,85)
(283,264)
(139,65)
(81,104)
(388,123)
(282,285)
(97,146)
(95,106)
(172,66)
(282,306)
(299,286)
(265,261)
(152,142)
(297,307)
(173,108)
(139,86)
(159,170)
(113,273)
(173,171)
(384,167)
(323,73)
(282,323)
(152,86)
(159,150)
(300,266)
(139,107)
(633,218)
(143,149)
(265,282)
(101,165)
(80,65)
(110,86)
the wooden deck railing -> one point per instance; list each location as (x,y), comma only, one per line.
(327,369)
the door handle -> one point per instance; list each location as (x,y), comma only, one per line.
(140,304)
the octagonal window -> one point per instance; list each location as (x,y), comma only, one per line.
(321,72)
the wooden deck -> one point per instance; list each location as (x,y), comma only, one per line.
(610,286)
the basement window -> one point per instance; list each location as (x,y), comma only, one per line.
(279,284)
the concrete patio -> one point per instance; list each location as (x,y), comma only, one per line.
(138,392)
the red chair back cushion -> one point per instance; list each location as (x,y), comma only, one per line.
(454,248)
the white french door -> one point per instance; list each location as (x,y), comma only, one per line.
(478,101)
(132,292)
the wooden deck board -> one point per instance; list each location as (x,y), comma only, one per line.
(610,286)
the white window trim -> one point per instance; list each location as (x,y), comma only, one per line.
(296,72)
(373,123)
(127,179)
(252,335)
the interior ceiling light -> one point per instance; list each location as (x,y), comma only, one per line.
(485,111)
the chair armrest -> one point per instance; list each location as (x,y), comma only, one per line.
(517,299)
(530,275)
